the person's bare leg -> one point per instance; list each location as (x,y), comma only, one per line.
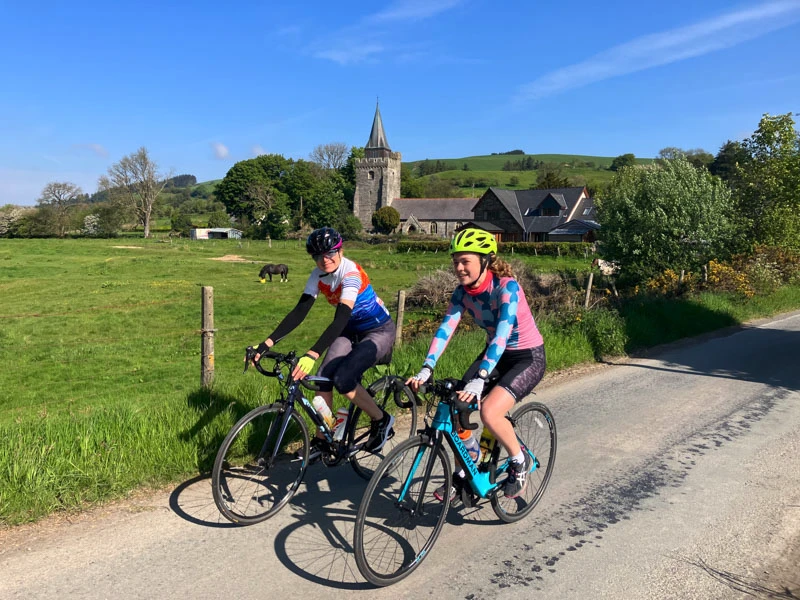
(361,398)
(494,408)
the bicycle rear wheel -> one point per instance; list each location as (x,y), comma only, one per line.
(255,473)
(394,396)
(536,432)
(399,518)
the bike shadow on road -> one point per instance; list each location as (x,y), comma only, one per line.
(318,544)
(193,501)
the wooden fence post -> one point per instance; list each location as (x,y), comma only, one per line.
(588,290)
(207,333)
(401,309)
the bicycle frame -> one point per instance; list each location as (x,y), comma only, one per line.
(482,482)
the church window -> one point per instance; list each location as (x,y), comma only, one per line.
(433,227)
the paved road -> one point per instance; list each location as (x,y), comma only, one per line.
(678,476)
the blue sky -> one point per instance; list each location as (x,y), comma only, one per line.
(203,85)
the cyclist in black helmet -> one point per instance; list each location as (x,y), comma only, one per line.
(362,331)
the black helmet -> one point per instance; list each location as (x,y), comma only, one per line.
(322,240)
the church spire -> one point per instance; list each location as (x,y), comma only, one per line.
(377,146)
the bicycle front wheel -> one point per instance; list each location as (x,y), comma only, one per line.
(258,470)
(536,433)
(394,396)
(400,518)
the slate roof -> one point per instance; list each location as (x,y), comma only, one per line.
(435,209)
(520,202)
(575,227)
(485,225)
(377,137)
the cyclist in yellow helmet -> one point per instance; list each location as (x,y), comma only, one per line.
(515,350)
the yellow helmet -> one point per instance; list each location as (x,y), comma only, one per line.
(473,240)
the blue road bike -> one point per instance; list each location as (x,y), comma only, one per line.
(399,518)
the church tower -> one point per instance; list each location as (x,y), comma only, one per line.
(377,174)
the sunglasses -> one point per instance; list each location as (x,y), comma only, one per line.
(328,255)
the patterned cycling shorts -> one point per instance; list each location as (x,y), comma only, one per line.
(520,370)
(351,354)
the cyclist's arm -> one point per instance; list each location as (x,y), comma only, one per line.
(446,330)
(508,303)
(292,320)
(343,311)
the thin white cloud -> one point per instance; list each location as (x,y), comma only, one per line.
(257,150)
(412,10)
(658,49)
(220,150)
(97,149)
(361,42)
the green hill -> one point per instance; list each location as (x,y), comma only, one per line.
(473,174)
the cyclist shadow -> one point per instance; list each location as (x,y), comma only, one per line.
(193,501)
(319,546)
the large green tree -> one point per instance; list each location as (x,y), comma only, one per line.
(623,160)
(386,219)
(252,184)
(767,184)
(665,216)
(731,154)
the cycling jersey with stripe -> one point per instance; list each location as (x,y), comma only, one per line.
(350,282)
(500,308)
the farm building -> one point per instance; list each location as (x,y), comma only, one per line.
(216,233)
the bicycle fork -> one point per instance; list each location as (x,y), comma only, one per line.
(433,443)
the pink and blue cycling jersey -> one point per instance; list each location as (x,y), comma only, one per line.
(500,308)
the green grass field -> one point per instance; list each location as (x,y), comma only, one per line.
(100,391)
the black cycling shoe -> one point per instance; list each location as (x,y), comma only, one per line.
(380,431)
(315,449)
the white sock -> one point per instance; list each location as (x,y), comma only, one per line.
(519,458)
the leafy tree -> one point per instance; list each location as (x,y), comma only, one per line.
(513,181)
(135,180)
(182,223)
(623,160)
(385,219)
(251,185)
(324,204)
(333,155)
(57,199)
(465,167)
(219,219)
(350,226)
(730,156)
(550,179)
(767,185)
(410,186)
(665,216)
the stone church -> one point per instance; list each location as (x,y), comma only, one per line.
(563,214)
(378,185)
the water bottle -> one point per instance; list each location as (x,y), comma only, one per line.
(324,410)
(473,447)
(341,424)
(487,444)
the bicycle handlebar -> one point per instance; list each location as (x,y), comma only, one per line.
(446,390)
(312,383)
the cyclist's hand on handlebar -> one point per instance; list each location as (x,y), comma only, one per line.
(472,391)
(262,347)
(417,380)
(304,366)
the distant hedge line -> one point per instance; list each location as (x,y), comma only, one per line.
(579,249)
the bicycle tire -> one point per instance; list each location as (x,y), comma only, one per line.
(391,539)
(390,393)
(535,428)
(245,489)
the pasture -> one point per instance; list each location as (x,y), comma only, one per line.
(100,341)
